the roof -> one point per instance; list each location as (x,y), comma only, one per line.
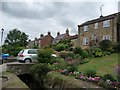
(45,36)
(112,16)
(74,37)
(61,36)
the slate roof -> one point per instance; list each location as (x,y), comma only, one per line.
(112,16)
(61,36)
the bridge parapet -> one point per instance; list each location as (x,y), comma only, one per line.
(20,68)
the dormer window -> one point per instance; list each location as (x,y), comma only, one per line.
(106,23)
(85,28)
(96,25)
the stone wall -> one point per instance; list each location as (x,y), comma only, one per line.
(19,68)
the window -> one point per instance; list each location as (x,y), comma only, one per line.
(106,23)
(85,28)
(106,37)
(96,25)
(32,51)
(85,41)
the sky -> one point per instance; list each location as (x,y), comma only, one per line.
(35,17)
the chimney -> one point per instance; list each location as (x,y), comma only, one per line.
(101,16)
(49,33)
(67,31)
(58,33)
(29,40)
(41,35)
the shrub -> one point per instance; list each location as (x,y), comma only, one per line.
(84,54)
(44,56)
(60,47)
(116,47)
(39,71)
(108,77)
(90,72)
(59,64)
(78,50)
(98,52)
(63,54)
(70,54)
(72,68)
(105,45)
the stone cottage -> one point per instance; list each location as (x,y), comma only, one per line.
(92,32)
(61,36)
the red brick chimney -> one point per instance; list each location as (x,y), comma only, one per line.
(67,31)
(41,35)
(49,33)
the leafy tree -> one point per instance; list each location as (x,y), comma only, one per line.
(11,49)
(16,38)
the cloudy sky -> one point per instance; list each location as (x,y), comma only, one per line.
(38,17)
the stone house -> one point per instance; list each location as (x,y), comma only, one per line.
(94,31)
(61,36)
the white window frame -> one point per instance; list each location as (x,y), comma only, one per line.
(106,23)
(96,25)
(85,41)
(85,28)
(106,37)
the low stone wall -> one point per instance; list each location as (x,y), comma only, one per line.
(18,69)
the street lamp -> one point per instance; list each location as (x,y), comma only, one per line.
(1,43)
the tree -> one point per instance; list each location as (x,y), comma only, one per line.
(16,38)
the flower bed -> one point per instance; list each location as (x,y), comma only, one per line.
(96,80)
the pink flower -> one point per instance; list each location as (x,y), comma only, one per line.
(97,78)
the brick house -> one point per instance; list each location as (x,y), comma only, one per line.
(46,40)
(61,36)
(92,32)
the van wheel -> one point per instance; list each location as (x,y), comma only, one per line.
(27,61)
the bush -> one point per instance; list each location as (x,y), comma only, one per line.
(72,68)
(98,52)
(108,77)
(60,47)
(116,47)
(63,54)
(11,49)
(44,56)
(39,71)
(78,50)
(85,54)
(59,64)
(105,45)
(90,72)
(70,54)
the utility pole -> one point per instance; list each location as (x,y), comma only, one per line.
(1,43)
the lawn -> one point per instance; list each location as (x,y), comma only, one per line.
(102,65)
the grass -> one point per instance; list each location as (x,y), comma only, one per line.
(102,65)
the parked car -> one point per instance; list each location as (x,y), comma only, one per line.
(29,55)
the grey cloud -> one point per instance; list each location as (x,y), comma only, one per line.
(38,17)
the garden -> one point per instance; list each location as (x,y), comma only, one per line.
(70,59)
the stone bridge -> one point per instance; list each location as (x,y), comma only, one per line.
(19,68)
